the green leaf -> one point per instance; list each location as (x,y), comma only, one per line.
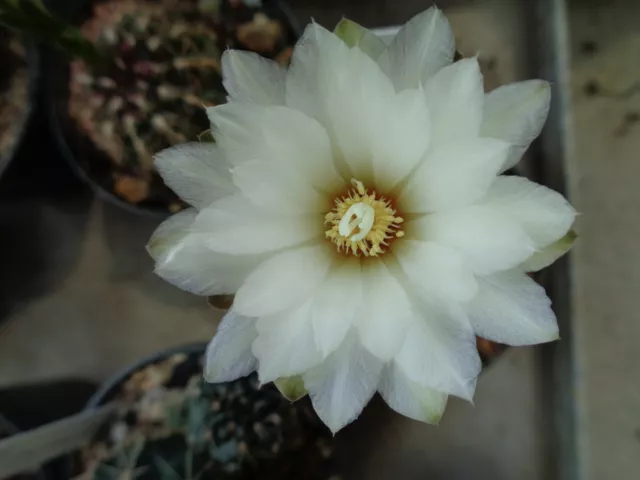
(225,452)
(291,388)
(355,35)
(550,254)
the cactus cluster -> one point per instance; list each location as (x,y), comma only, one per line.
(169,430)
(162,65)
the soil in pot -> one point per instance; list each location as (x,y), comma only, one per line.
(175,426)
(163,65)
(14,94)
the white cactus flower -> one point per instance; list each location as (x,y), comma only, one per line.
(355,205)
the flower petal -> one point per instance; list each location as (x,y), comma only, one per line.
(409,398)
(438,271)
(545,215)
(342,385)
(489,240)
(285,345)
(516,114)
(399,139)
(291,388)
(183,259)
(386,312)
(197,172)
(248,77)
(440,353)
(235,225)
(282,138)
(355,35)
(550,253)
(229,355)
(454,175)
(277,189)
(421,48)
(365,119)
(335,305)
(283,281)
(455,97)
(511,308)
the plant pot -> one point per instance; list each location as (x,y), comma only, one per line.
(245,430)
(110,120)
(19,86)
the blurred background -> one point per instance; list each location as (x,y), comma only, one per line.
(79,200)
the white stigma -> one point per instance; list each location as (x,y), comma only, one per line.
(364,216)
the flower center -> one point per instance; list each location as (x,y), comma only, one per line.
(362,222)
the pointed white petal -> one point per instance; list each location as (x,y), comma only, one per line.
(183,259)
(454,175)
(228,355)
(545,215)
(278,189)
(455,97)
(315,56)
(283,281)
(337,303)
(440,352)
(489,240)
(282,138)
(516,114)
(438,271)
(285,345)
(421,48)
(367,122)
(511,308)
(399,138)
(550,253)
(409,398)
(197,172)
(342,385)
(386,312)
(235,225)
(355,35)
(248,77)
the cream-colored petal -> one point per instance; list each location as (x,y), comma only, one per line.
(511,308)
(440,352)
(545,215)
(455,97)
(549,254)
(342,385)
(198,172)
(421,48)
(385,314)
(454,175)
(409,398)
(248,77)
(337,303)
(283,281)
(489,240)
(516,114)
(183,259)
(235,225)
(285,345)
(229,355)
(436,270)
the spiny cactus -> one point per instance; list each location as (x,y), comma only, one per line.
(235,430)
(165,65)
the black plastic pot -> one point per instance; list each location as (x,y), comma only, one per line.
(86,160)
(26,121)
